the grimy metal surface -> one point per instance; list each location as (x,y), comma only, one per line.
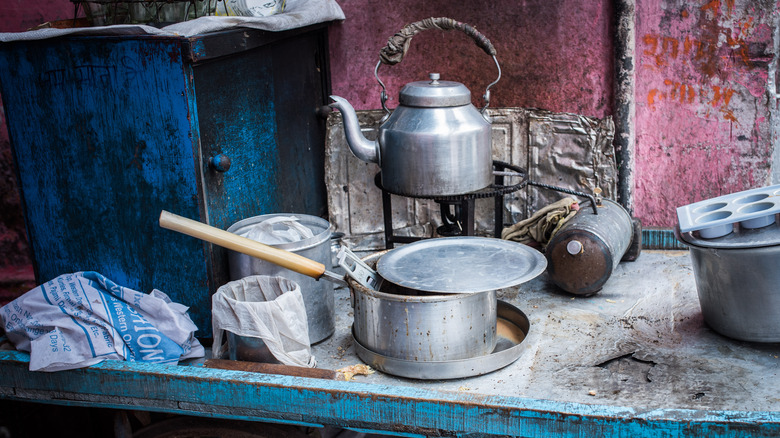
(636,361)
(564,150)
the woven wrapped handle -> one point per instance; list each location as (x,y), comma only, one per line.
(398,44)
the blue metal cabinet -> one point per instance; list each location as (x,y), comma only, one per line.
(107,131)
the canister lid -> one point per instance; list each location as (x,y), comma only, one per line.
(579,261)
(434,93)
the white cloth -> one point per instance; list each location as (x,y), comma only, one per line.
(77,320)
(265,307)
(277,230)
(297,13)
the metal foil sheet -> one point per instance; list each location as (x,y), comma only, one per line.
(565,150)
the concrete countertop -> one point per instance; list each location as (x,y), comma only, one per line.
(640,342)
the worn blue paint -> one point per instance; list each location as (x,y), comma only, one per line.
(99,132)
(660,238)
(240,124)
(193,390)
(108,131)
(198,49)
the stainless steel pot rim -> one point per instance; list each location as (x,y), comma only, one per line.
(738,239)
(466,264)
(505,353)
(434,298)
(299,246)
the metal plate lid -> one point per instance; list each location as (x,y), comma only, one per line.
(434,93)
(464,264)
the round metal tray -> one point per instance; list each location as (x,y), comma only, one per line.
(512,329)
(464,264)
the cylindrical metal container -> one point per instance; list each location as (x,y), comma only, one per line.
(318,297)
(423,328)
(737,280)
(582,255)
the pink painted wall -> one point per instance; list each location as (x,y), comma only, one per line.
(554,55)
(20,15)
(702,122)
(703,126)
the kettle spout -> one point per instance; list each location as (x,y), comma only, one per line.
(360,146)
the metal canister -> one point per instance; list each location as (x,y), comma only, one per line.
(582,255)
(318,296)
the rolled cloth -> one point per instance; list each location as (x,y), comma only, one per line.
(542,226)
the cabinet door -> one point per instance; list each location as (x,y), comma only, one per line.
(100,132)
(260,108)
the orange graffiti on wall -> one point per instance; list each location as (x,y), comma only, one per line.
(681,93)
(665,49)
(714,7)
(702,51)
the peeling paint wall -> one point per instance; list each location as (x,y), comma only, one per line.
(554,55)
(703,126)
(703,122)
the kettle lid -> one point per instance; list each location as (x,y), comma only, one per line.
(434,93)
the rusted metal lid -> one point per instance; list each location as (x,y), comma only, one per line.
(579,262)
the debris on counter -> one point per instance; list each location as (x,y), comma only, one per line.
(353,370)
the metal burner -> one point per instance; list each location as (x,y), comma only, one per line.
(457,211)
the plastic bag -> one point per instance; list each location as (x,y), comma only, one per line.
(265,307)
(250,8)
(278,230)
(77,320)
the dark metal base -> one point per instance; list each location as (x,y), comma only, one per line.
(457,211)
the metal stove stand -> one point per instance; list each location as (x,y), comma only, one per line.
(457,211)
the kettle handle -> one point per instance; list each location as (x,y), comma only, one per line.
(398,45)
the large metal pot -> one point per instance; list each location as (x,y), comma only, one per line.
(318,296)
(435,327)
(737,280)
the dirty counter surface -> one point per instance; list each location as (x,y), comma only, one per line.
(640,342)
(634,360)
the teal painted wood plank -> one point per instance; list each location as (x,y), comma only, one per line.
(194,390)
(660,238)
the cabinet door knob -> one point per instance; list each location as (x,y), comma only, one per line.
(220,163)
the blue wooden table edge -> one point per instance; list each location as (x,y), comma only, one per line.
(406,410)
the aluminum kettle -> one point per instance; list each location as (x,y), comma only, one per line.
(435,143)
